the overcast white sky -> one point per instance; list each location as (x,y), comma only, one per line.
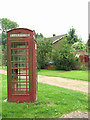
(48,16)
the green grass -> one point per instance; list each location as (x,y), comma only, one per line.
(52,103)
(77,74)
(0,96)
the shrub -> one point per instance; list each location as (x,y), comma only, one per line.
(44,50)
(83,67)
(63,57)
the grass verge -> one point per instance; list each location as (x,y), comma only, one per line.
(52,103)
(77,74)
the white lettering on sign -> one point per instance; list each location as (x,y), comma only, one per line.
(19,35)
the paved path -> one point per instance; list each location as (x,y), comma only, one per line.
(3,72)
(62,82)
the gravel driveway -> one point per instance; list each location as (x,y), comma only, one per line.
(64,82)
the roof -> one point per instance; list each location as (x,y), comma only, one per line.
(57,38)
(19,29)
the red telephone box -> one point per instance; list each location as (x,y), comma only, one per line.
(21,65)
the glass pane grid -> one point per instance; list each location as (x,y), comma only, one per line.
(20,68)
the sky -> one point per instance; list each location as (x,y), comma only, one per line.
(48,16)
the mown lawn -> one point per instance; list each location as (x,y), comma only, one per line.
(77,74)
(52,103)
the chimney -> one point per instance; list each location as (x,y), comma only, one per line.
(54,35)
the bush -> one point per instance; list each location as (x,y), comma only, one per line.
(83,67)
(44,50)
(63,57)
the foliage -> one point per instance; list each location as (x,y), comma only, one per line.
(38,36)
(6,25)
(44,49)
(83,67)
(52,102)
(3,67)
(86,48)
(0,55)
(72,37)
(75,74)
(63,57)
(89,36)
(88,44)
(3,57)
(4,39)
(80,45)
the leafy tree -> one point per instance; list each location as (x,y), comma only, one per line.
(6,25)
(41,35)
(44,50)
(89,36)
(80,45)
(38,36)
(4,39)
(63,57)
(72,37)
(88,44)
(0,55)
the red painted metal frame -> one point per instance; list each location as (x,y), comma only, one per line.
(16,90)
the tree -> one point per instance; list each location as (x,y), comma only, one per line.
(0,55)
(80,45)
(72,37)
(6,25)
(38,36)
(44,50)
(63,57)
(88,37)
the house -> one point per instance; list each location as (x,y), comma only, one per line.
(84,58)
(83,55)
(55,39)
